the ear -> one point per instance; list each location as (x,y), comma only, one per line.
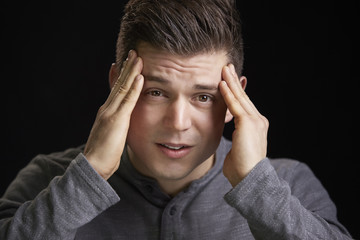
(243,83)
(113,75)
(228,116)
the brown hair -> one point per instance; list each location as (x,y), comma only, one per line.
(182,27)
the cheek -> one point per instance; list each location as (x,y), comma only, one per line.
(212,122)
(218,114)
(143,119)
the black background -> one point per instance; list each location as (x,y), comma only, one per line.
(300,60)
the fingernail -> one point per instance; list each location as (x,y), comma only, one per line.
(139,77)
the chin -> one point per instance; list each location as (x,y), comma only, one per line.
(170,171)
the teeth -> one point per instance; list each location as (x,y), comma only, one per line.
(171,147)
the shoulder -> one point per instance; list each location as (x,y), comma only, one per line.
(286,167)
(59,160)
(296,173)
(291,170)
(302,182)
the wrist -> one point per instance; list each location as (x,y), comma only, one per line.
(97,166)
(235,174)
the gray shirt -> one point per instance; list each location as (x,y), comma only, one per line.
(60,196)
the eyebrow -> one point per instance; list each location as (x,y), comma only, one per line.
(211,87)
(156,79)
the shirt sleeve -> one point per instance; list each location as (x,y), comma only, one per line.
(67,203)
(298,208)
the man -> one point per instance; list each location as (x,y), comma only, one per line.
(155,165)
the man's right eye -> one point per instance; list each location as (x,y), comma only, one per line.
(154,93)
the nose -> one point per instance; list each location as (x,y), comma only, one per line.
(178,115)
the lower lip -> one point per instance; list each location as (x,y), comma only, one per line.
(171,153)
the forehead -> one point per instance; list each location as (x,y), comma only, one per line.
(198,66)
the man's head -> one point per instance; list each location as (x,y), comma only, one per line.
(177,123)
(182,27)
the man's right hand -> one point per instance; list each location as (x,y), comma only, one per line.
(107,138)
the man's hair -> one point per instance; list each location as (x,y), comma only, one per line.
(182,27)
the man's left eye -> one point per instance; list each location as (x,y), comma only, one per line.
(204,98)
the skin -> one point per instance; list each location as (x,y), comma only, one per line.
(159,98)
(180,104)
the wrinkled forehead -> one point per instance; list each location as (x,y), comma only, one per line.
(203,65)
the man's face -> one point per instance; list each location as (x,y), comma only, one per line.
(178,121)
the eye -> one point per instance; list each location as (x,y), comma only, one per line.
(204,98)
(155,93)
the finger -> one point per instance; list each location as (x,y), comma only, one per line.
(233,71)
(126,68)
(131,66)
(236,77)
(116,84)
(233,82)
(241,94)
(129,101)
(121,71)
(125,88)
(234,85)
(231,101)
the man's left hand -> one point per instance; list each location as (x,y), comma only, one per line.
(249,139)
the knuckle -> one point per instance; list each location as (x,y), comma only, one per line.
(263,123)
(128,99)
(108,119)
(104,115)
(260,123)
(122,89)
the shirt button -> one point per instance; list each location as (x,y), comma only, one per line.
(173,211)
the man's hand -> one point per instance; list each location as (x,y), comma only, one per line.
(107,138)
(250,135)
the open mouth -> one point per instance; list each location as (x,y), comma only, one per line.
(172,147)
(174,151)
